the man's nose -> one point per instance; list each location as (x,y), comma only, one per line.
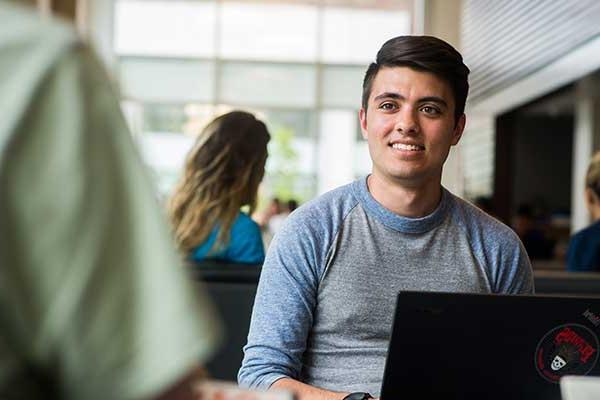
(406,121)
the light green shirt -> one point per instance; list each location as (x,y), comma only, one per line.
(93,298)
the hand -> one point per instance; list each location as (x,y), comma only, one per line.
(224,395)
(217,390)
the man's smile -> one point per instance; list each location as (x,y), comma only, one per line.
(407,146)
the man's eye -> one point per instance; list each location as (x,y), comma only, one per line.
(430,110)
(387,106)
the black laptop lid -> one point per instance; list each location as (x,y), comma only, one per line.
(472,346)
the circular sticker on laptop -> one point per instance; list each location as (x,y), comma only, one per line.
(570,349)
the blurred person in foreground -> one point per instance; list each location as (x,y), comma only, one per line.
(222,174)
(94,303)
(584,248)
(325,302)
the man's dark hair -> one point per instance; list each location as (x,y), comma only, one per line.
(427,54)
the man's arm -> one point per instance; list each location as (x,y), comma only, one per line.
(282,318)
(306,392)
(514,274)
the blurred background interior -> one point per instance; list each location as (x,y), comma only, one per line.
(533,117)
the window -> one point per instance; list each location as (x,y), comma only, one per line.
(297,65)
(286,85)
(165,28)
(167,80)
(355,35)
(274,32)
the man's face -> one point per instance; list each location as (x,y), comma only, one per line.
(410,126)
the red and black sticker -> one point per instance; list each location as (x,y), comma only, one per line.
(570,349)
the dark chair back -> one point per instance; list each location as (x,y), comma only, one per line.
(232,288)
(580,284)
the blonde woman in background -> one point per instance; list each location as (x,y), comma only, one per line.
(584,248)
(222,174)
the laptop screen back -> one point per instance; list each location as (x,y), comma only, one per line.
(472,346)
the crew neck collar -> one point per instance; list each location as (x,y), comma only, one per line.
(398,222)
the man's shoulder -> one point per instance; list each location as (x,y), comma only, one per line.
(23,28)
(330,205)
(321,217)
(590,233)
(30,46)
(479,224)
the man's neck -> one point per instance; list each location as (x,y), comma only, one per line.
(408,201)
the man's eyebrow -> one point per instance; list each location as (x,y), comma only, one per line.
(389,95)
(398,96)
(434,99)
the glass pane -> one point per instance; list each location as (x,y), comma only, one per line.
(342,86)
(355,35)
(362,160)
(165,155)
(300,122)
(292,148)
(174,28)
(167,80)
(291,166)
(281,32)
(268,84)
(162,144)
(189,119)
(336,138)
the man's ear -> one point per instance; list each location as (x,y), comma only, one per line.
(362,116)
(458,129)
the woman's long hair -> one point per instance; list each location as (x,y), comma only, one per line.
(222,173)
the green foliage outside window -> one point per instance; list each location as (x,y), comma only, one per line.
(283,162)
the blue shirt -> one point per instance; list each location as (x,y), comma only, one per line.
(245,244)
(584,250)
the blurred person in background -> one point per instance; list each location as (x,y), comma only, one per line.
(292,205)
(263,217)
(221,175)
(94,302)
(277,220)
(530,227)
(584,248)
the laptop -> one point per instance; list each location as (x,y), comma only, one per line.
(474,346)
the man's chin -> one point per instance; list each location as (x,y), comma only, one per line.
(413,178)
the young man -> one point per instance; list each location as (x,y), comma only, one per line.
(325,302)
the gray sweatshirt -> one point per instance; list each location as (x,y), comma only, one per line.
(325,302)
